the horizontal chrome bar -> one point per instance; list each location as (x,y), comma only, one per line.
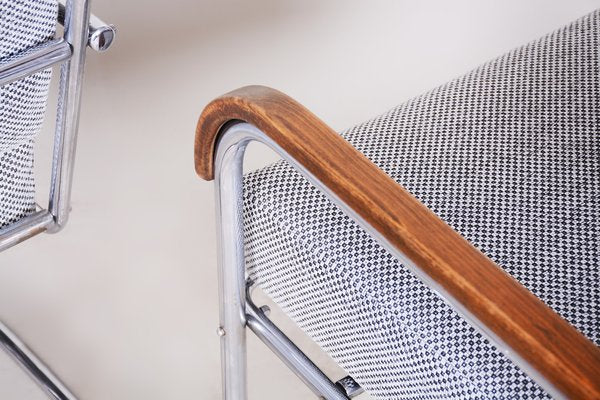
(25,228)
(25,358)
(101,35)
(34,60)
(290,354)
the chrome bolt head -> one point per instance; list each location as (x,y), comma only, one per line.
(265,309)
(101,39)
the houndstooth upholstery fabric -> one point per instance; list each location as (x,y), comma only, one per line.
(509,156)
(24,24)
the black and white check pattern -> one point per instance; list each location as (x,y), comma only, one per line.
(509,156)
(23,24)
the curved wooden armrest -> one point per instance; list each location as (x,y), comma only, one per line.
(535,332)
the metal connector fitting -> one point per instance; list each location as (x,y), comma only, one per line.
(350,387)
(101,35)
(101,38)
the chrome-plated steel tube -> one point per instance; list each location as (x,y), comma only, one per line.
(77,13)
(33,366)
(290,354)
(232,314)
(32,61)
(235,309)
(25,228)
(240,134)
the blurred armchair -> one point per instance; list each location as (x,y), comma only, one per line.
(29,47)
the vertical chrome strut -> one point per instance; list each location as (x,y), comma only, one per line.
(230,242)
(235,311)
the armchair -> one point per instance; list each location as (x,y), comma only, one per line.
(445,249)
(28,48)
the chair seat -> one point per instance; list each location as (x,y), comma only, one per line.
(509,156)
(23,25)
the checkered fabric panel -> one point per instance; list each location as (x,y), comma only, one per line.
(17,186)
(24,24)
(509,156)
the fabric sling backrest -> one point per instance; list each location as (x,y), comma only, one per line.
(23,26)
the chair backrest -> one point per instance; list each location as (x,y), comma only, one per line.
(24,25)
(28,48)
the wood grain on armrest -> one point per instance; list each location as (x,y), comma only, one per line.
(540,336)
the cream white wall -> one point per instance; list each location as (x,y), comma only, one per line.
(122,304)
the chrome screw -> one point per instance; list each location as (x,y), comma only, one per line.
(265,309)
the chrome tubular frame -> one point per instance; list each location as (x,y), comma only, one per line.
(42,57)
(289,353)
(232,271)
(33,366)
(236,313)
(81,29)
(76,22)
